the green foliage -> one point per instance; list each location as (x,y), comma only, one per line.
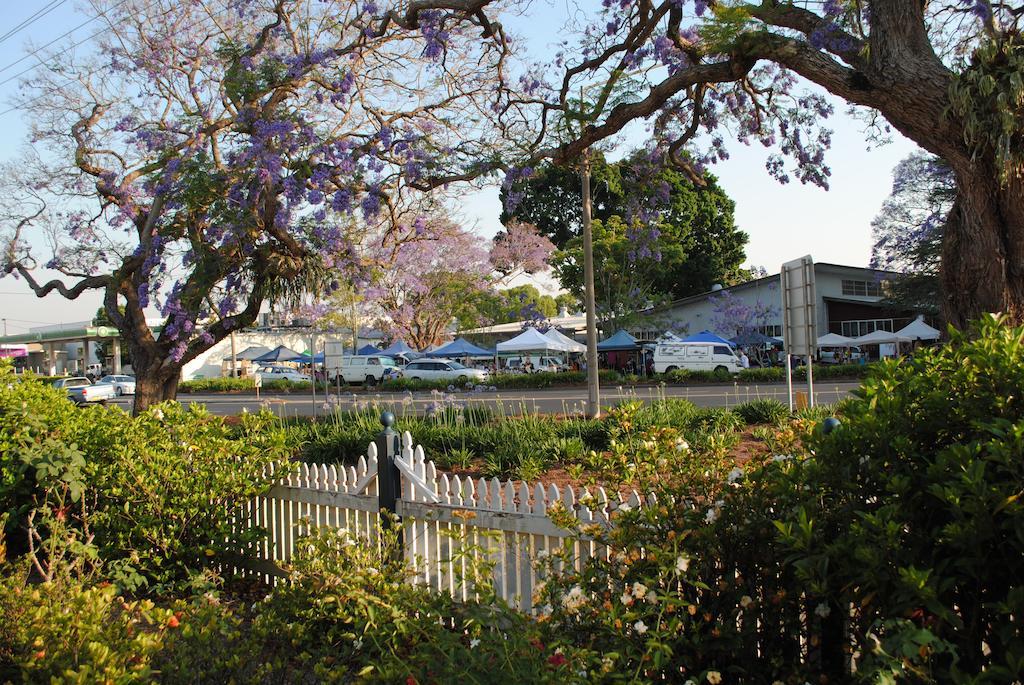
(763,411)
(989,96)
(228,384)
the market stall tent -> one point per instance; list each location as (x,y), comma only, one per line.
(251,353)
(919,330)
(708,337)
(367,350)
(570,344)
(279,354)
(880,337)
(460,348)
(834,340)
(531,340)
(620,342)
(400,347)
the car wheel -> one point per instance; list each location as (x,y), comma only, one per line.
(721,368)
(118,391)
(370,381)
(671,369)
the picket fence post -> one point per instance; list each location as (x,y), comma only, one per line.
(389,481)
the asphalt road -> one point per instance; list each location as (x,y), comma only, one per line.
(553,401)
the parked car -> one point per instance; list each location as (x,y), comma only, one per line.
(837,355)
(83,391)
(366,369)
(549,364)
(282,373)
(123,385)
(443,370)
(670,356)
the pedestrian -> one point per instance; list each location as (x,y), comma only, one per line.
(744,360)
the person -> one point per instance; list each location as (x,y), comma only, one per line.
(744,360)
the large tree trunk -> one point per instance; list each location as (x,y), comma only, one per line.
(983,248)
(156,380)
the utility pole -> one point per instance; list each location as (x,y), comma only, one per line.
(593,378)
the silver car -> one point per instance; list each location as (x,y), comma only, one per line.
(123,385)
(81,390)
(443,370)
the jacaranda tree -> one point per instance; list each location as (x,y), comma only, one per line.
(946,74)
(208,155)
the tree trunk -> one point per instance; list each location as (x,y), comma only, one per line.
(983,248)
(156,379)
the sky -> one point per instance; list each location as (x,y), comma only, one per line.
(783,221)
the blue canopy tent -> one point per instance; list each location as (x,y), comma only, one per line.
(620,342)
(317,358)
(460,348)
(279,354)
(708,337)
(399,347)
(367,349)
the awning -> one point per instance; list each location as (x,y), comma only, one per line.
(279,354)
(570,344)
(531,340)
(708,337)
(620,342)
(460,348)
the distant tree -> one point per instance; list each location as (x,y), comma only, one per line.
(520,250)
(909,228)
(568,302)
(423,285)
(690,227)
(732,316)
(625,274)
(105,348)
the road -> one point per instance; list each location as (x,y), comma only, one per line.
(553,401)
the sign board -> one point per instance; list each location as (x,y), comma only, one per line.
(334,352)
(799,307)
(257,380)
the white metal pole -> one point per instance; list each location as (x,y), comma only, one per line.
(789,379)
(810,381)
(312,367)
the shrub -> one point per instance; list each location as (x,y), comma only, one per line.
(762,411)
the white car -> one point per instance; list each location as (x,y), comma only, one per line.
(547,364)
(365,369)
(443,370)
(282,373)
(123,385)
(835,355)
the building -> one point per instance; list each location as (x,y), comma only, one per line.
(849,302)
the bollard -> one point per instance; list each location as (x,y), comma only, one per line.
(830,424)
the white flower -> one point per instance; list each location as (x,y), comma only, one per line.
(714,677)
(639,590)
(711,516)
(358,644)
(781,457)
(158,414)
(640,627)
(746,601)
(735,475)
(624,506)
(690,681)
(474,643)
(652,598)
(822,610)
(682,445)
(542,554)
(626,598)
(682,563)
(574,599)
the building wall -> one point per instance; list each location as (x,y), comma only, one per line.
(696,315)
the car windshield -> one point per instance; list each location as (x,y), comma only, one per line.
(455,365)
(387,361)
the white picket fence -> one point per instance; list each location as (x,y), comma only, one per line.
(449,522)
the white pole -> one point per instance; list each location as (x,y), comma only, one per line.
(789,379)
(810,382)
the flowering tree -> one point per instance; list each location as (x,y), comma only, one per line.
(425,283)
(209,155)
(946,74)
(520,249)
(908,231)
(732,317)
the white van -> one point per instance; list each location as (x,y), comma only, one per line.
(671,356)
(368,369)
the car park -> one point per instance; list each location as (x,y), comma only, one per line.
(282,373)
(695,356)
(443,370)
(123,385)
(81,390)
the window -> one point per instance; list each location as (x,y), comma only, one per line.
(771,331)
(722,349)
(855,329)
(862,288)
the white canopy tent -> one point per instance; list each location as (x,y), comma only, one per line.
(834,340)
(880,337)
(531,340)
(919,330)
(570,344)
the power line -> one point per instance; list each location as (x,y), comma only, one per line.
(39,14)
(71,47)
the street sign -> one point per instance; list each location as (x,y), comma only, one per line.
(799,322)
(799,307)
